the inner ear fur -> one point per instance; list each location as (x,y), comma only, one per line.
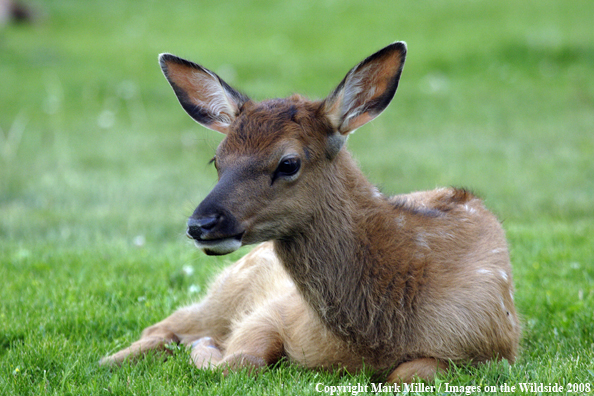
(202,93)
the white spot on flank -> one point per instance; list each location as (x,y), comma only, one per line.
(506,312)
(447,235)
(503,274)
(421,241)
(511,294)
(484,271)
(502,304)
(498,250)
(469,209)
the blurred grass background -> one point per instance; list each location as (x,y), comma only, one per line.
(100,167)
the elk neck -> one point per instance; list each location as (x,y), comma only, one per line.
(343,261)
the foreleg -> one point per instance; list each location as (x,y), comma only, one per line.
(184,326)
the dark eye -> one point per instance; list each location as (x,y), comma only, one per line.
(287,168)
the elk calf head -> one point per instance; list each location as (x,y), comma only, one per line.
(278,155)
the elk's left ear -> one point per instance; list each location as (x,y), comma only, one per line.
(204,95)
(366,90)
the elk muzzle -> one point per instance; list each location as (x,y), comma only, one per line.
(214,230)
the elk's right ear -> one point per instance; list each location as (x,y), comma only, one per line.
(205,96)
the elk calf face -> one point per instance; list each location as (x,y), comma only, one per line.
(269,147)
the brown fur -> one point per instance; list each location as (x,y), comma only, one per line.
(350,277)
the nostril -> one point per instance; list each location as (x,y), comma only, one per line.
(197,227)
(193,232)
(207,223)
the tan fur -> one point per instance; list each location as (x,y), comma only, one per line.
(348,277)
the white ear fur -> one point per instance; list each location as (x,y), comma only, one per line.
(204,95)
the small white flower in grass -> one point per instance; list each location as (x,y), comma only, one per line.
(106,119)
(193,289)
(139,240)
(187,270)
(127,90)
(22,254)
(435,83)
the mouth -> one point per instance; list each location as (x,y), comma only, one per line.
(220,246)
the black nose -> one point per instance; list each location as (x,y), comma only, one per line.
(200,226)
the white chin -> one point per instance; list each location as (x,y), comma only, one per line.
(218,247)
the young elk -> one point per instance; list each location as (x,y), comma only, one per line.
(343,275)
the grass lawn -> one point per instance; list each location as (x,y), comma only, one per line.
(100,167)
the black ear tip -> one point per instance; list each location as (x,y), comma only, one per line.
(164,59)
(399,46)
(167,57)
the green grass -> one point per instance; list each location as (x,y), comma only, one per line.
(100,167)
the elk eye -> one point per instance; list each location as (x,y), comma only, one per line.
(287,168)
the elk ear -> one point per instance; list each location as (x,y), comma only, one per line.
(366,90)
(204,95)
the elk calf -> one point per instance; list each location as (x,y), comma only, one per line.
(343,275)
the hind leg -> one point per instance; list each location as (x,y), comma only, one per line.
(424,369)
